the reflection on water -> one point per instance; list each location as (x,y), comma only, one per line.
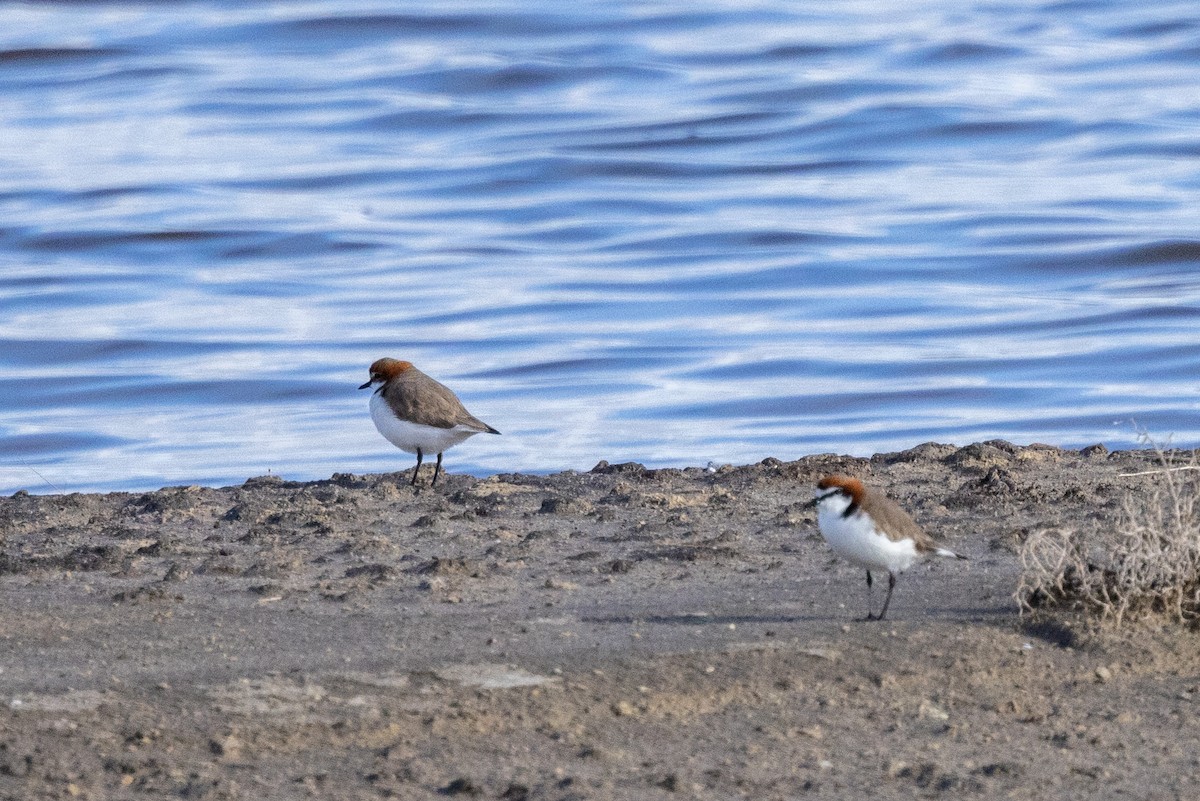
(668,233)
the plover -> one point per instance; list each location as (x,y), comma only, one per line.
(868,529)
(417,414)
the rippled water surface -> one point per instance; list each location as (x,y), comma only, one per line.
(668,232)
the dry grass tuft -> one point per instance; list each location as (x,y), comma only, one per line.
(1146,564)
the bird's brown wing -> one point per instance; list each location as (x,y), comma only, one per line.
(896,523)
(420,399)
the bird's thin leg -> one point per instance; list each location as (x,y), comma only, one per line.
(436,470)
(888,600)
(417,469)
(869,616)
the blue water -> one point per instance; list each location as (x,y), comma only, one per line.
(668,232)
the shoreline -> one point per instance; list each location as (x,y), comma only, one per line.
(43,486)
(619,633)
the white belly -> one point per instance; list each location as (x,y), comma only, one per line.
(409,437)
(856,540)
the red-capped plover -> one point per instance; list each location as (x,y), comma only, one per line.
(417,414)
(868,529)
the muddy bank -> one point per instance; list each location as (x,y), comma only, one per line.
(621,633)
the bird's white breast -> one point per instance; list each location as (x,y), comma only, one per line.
(857,539)
(408,436)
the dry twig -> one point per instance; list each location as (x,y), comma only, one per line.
(1147,563)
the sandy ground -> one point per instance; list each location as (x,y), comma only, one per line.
(616,634)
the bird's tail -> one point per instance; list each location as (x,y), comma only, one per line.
(949,554)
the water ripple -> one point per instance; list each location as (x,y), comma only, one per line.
(672,234)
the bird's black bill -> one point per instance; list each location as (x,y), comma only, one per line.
(819,498)
(366,385)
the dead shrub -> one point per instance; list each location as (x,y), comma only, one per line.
(1146,563)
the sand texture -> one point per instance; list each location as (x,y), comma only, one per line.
(616,634)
